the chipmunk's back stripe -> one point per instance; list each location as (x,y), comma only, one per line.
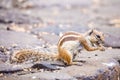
(71,33)
(67,35)
(67,38)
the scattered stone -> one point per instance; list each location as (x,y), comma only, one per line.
(115,22)
(96,54)
(22,4)
(89,57)
(3,49)
(15,28)
(1,74)
(14,45)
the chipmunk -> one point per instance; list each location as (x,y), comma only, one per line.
(70,41)
(69,45)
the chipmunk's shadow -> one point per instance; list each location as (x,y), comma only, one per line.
(53,65)
(48,65)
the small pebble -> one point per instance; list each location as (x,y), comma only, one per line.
(1,74)
(2,49)
(96,55)
(89,57)
(14,45)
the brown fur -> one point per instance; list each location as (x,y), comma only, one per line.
(82,39)
(64,54)
(25,55)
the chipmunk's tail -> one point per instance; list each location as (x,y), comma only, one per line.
(32,56)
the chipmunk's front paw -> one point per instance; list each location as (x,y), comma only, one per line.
(102,48)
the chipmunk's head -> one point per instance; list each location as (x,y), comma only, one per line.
(96,36)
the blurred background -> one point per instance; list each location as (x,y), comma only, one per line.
(58,16)
(38,24)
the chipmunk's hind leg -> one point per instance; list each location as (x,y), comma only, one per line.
(66,56)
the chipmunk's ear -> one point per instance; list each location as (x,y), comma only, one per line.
(91,31)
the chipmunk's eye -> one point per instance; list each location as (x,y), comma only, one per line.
(97,36)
